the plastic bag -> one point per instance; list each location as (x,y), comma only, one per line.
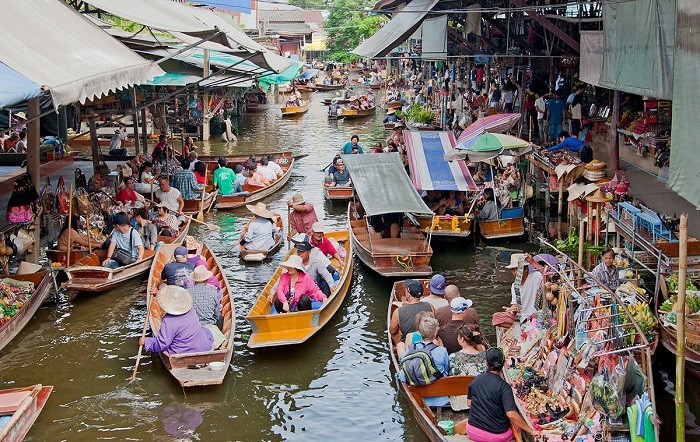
(607,390)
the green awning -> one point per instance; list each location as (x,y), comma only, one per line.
(382,184)
(173,79)
(285,77)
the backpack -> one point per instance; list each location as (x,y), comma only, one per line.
(418,366)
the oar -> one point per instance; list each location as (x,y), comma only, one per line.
(289,227)
(200,214)
(143,335)
(210,226)
(327,166)
(70,215)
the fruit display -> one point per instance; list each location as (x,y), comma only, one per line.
(13,295)
(672,284)
(692,302)
(645,319)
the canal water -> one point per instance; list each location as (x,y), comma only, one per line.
(337,386)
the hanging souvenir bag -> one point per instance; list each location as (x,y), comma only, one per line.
(81,201)
(47,197)
(23,203)
(62,197)
(80,179)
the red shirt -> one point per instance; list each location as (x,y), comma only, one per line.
(125,195)
(199,178)
(479,75)
(325,246)
(302,221)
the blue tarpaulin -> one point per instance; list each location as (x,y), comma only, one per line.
(15,87)
(308,74)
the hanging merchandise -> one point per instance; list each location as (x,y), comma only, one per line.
(47,199)
(81,201)
(80,179)
(24,201)
(62,196)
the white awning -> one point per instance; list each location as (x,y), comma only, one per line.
(75,61)
(392,34)
(190,24)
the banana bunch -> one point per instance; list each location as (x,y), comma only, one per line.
(645,319)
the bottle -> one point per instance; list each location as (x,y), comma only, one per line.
(336,276)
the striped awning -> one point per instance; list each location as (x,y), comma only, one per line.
(429,170)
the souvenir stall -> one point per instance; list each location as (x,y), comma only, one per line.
(556,171)
(581,367)
(645,136)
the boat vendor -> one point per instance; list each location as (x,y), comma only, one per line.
(128,195)
(76,238)
(490,209)
(526,289)
(351,145)
(125,238)
(180,330)
(302,217)
(261,231)
(295,289)
(492,405)
(147,181)
(606,272)
(574,145)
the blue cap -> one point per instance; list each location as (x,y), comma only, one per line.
(437,285)
(180,251)
(120,219)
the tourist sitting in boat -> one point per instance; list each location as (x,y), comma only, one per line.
(523,292)
(364,103)
(199,172)
(328,247)
(354,143)
(186,183)
(492,405)
(178,271)
(224,178)
(470,359)
(397,134)
(606,272)
(436,298)
(454,204)
(428,328)
(146,179)
(124,238)
(403,318)
(412,337)
(166,222)
(261,231)
(341,177)
(296,290)
(241,175)
(490,209)
(448,333)
(193,158)
(147,230)
(391,147)
(302,217)
(206,299)
(378,148)
(272,164)
(316,265)
(332,169)
(76,238)
(160,150)
(170,197)
(188,147)
(444,314)
(180,330)
(255,178)
(391,116)
(128,194)
(265,170)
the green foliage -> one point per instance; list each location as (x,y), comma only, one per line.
(347,25)
(309,4)
(418,114)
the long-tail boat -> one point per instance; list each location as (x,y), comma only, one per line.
(270,330)
(358,113)
(182,366)
(88,274)
(337,193)
(290,111)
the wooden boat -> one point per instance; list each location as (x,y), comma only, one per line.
(178,365)
(256,193)
(192,207)
(24,405)
(306,88)
(256,255)
(289,111)
(396,104)
(61,257)
(337,193)
(376,87)
(12,159)
(328,87)
(297,327)
(84,141)
(88,275)
(327,101)
(426,417)
(509,225)
(358,113)
(408,256)
(443,226)
(107,157)
(389,126)
(233,160)
(42,288)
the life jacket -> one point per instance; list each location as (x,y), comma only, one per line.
(418,366)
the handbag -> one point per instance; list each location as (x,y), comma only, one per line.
(121,256)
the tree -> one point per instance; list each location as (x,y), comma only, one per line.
(309,4)
(347,25)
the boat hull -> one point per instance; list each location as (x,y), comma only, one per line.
(328,87)
(42,288)
(358,113)
(290,111)
(257,193)
(192,207)
(254,255)
(444,226)
(178,364)
(507,227)
(272,330)
(337,193)
(24,404)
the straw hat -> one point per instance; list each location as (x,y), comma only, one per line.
(575,191)
(390,111)
(318,227)
(598,197)
(201,274)
(298,199)
(260,209)
(294,262)
(174,300)
(515,259)
(595,165)
(398,125)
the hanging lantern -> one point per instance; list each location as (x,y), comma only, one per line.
(612,185)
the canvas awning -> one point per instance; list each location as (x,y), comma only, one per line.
(191,24)
(78,62)
(15,87)
(429,171)
(392,34)
(382,184)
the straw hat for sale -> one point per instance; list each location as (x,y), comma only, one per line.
(575,191)
(260,209)
(595,165)
(174,300)
(598,197)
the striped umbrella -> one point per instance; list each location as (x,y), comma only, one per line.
(497,123)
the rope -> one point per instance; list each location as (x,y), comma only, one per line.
(405,261)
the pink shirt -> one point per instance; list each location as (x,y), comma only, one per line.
(303,218)
(305,285)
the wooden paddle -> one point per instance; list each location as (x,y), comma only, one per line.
(143,335)
(70,215)
(210,226)
(200,214)
(289,227)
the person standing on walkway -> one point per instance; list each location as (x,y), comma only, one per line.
(556,110)
(541,108)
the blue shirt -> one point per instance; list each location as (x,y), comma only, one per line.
(441,359)
(556,107)
(571,143)
(347,148)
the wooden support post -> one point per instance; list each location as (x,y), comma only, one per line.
(560,201)
(144,131)
(206,129)
(135,118)
(680,329)
(589,232)
(614,138)
(33,164)
(581,230)
(95,148)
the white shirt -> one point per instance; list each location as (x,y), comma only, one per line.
(276,167)
(267,172)
(191,169)
(170,198)
(436,302)
(540,104)
(260,234)
(528,294)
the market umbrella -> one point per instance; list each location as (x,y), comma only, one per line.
(487,146)
(497,123)
(545,259)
